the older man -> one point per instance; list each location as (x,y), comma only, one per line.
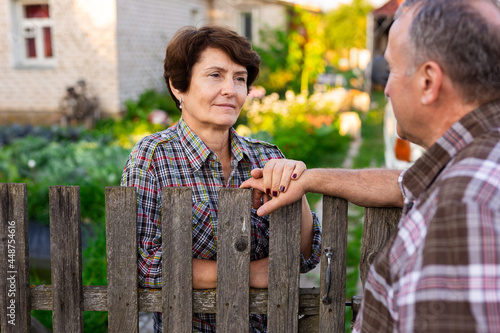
(441,270)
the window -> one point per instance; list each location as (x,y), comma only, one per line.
(33,40)
(246,25)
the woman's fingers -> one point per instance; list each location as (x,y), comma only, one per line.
(267,174)
(278,173)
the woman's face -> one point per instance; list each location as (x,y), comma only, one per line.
(217,92)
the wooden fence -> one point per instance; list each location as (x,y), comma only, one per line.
(321,310)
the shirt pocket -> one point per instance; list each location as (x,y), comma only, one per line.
(204,246)
(201,212)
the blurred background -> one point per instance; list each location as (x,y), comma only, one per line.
(81,81)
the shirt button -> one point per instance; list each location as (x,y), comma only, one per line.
(410,205)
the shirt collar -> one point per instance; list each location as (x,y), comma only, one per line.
(198,152)
(461,134)
(239,147)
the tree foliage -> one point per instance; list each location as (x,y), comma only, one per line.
(292,59)
(346,26)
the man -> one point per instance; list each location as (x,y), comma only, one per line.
(441,270)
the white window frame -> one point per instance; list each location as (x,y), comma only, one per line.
(33,27)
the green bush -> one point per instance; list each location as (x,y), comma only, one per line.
(134,124)
(41,163)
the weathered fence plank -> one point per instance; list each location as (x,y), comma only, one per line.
(14,259)
(121,248)
(378,227)
(284,263)
(150,300)
(233,260)
(177,248)
(66,259)
(333,280)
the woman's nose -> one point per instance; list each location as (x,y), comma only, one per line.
(228,87)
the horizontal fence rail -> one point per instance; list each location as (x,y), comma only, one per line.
(322,310)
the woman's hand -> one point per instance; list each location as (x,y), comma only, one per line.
(274,179)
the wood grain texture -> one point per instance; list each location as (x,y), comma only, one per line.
(334,236)
(121,245)
(177,248)
(150,300)
(284,269)
(379,225)
(66,259)
(14,259)
(233,259)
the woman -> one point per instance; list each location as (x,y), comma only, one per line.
(208,72)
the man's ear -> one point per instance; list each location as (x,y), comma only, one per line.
(430,82)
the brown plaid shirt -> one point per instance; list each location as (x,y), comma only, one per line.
(441,270)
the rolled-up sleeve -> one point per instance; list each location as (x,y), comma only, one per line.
(313,260)
(139,173)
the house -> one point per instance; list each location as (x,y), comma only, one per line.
(115,46)
(378,24)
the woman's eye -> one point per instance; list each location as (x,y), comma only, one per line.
(215,75)
(241,79)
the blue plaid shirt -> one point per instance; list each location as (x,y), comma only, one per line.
(178,157)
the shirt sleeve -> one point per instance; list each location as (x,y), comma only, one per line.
(139,173)
(313,260)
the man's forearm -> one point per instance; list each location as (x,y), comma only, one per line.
(363,187)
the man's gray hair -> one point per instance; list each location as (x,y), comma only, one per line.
(461,40)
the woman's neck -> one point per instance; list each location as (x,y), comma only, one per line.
(217,139)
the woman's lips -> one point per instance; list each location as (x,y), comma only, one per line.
(226,105)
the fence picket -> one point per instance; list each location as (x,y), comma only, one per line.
(121,248)
(334,237)
(14,259)
(378,227)
(66,259)
(233,260)
(177,247)
(284,263)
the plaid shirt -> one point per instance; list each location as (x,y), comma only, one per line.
(441,271)
(178,157)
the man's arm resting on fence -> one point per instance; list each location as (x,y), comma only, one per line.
(364,187)
(205,273)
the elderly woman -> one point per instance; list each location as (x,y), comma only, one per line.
(208,72)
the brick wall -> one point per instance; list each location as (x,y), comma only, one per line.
(84,47)
(264,15)
(143,31)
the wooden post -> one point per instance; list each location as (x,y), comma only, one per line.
(14,259)
(121,243)
(66,259)
(334,242)
(284,269)
(177,268)
(379,225)
(233,260)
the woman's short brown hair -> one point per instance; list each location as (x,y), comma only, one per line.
(188,43)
